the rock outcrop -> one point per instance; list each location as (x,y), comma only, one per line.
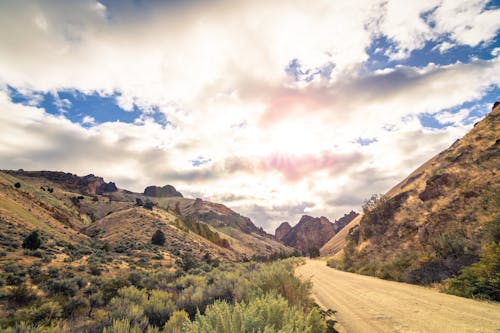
(344,220)
(108,187)
(89,184)
(162,192)
(310,233)
(282,230)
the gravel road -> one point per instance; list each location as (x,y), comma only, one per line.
(366,304)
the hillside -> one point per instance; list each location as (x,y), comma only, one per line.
(77,255)
(311,233)
(442,221)
(87,211)
(338,241)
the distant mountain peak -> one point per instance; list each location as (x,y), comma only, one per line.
(282,230)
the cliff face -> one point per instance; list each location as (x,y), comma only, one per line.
(282,230)
(310,233)
(89,184)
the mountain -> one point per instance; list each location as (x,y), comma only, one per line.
(442,221)
(311,233)
(87,212)
(282,230)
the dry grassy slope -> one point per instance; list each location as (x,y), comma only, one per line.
(135,225)
(29,208)
(436,220)
(337,242)
(244,236)
(114,218)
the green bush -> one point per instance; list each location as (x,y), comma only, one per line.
(75,305)
(159,307)
(124,326)
(66,287)
(14,274)
(95,269)
(45,314)
(269,313)
(21,295)
(177,322)
(480,280)
(141,308)
(279,277)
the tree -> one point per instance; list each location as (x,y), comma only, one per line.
(32,241)
(313,252)
(149,205)
(17,185)
(158,238)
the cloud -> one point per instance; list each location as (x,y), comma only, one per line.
(409,25)
(294,167)
(88,120)
(265,105)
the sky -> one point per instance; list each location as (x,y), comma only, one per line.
(273,108)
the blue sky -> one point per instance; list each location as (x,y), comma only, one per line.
(275,109)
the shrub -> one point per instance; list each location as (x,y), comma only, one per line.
(480,280)
(270,313)
(15,274)
(176,322)
(124,326)
(17,185)
(158,238)
(158,308)
(148,205)
(109,288)
(95,269)
(75,305)
(53,272)
(279,277)
(187,262)
(21,294)
(44,314)
(32,241)
(66,287)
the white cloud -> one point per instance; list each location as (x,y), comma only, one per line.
(277,148)
(88,120)
(466,21)
(410,24)
(446,117)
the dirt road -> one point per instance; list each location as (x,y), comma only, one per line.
(366,304)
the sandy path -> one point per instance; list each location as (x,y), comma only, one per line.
(367,304)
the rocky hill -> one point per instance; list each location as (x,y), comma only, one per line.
(311,233)
(87,212)
(282,230)
(441,222)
